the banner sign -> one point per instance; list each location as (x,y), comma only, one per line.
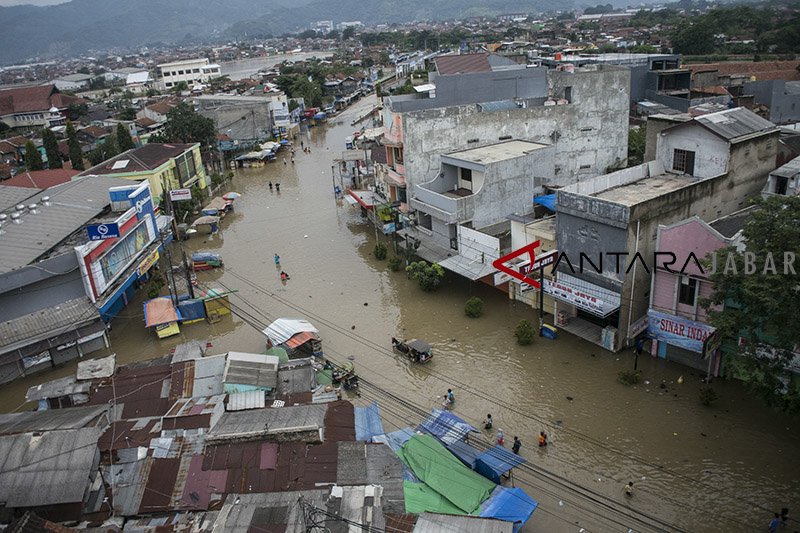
(99,232)
(678,331)
(176,195)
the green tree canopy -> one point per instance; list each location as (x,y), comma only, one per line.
(761,298)
(105,150)
(348,33)
(693,38)
(33,159)
(124,140)
(51,148)
(75,152)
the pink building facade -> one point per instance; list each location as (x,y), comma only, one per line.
(677,322)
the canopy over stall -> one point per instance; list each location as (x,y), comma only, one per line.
(446,426)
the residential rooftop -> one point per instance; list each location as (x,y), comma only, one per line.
(143,159)
(494,153)
(732,224)
(645,189)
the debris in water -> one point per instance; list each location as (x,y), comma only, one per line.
(570,398)
(366,304)
(703,434)
(353,327)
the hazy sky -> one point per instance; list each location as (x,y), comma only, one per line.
(34,2)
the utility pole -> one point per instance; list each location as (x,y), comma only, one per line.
(541,299)
(333,179)
(188,274)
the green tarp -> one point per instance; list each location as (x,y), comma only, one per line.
(420,498)
(280,353)
(441,471)
(325,377)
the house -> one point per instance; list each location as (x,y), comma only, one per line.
(709,167)
(12,150)
(157,111)
(173,166)
(93,136)
(191,71)
(35,107)
(785,179)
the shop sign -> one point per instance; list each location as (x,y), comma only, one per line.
(176,195)
(678,331)
(583,295)
(147,263)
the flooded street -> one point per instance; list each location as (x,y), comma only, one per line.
(719,468)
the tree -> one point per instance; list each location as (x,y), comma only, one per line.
(333,34)
(76,111)
(693,39)
(33,159)
(51,148)
(637,140)
(348,33)
(428,276)
(524,333)
(761,298)
(75,152)
(124,140)
(474,307)
(185,125)
(105,150)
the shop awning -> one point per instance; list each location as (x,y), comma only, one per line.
(160,311)
(510,505)
(469,268)
(365,199)
(217,203)
(301,338)
(351,200)
(496,462)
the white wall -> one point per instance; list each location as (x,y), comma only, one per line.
(712,154)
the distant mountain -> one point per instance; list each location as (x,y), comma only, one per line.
(81,25)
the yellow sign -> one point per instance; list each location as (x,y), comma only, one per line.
(147,263)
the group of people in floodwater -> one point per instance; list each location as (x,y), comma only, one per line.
(284,276)
(488,424)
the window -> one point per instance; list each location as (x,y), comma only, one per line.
(180,73)
(168,84)
(424,220)
(466,174)
(683,161)
(195,71)
(687,291)
(568,94)
(398,156)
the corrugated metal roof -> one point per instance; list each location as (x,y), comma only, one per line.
(190,350)
(208,372)
(56,388)
(295,376)
(241,511)
(101,367)
(241,401)
(257,370)
(340,422)
(732,124)
(73,204)
(463,63)
(372,464)
(284,329)
(263,422)
(788,170)
(53,419)
(203,412)
(434,523)
(47,322)
(11,196)
(46,469)
(128,482)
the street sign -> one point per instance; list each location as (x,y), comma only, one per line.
(176,195)
(99,232)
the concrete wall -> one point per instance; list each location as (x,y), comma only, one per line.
(655,125)
(241,121)
(783,107)
(711,151)
(588,135)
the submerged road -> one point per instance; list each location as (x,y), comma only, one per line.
(695,468)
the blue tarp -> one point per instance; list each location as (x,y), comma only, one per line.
(465,453)
(368,422)
(446,426)
(396,439)
(495,462)
(548,200)
(509,505)
(192,309)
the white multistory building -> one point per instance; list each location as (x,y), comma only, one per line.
(192,71)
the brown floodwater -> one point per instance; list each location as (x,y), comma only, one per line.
(695,468)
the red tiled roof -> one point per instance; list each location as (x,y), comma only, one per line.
(30,99)
(162,108)
(95,131)
(465,63)
(42,179)
(144,122)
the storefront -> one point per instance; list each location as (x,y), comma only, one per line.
(684,341)
(585,309)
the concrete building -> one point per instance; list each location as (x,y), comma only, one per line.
(785,179)
(708,167)
(676,321)
(463,210)
(781,96)
(46,317)
(245,119)
(74,82)
(174,166)
(35,107)
(191,71)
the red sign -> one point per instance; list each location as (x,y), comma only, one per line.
(500,265)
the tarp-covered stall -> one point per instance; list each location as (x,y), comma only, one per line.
(294,334)
(496,462)
(446,426)
(510,505)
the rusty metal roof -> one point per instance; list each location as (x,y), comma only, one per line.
(340,422)
(54,419)
(260,423)
(732,124)
(462,64)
